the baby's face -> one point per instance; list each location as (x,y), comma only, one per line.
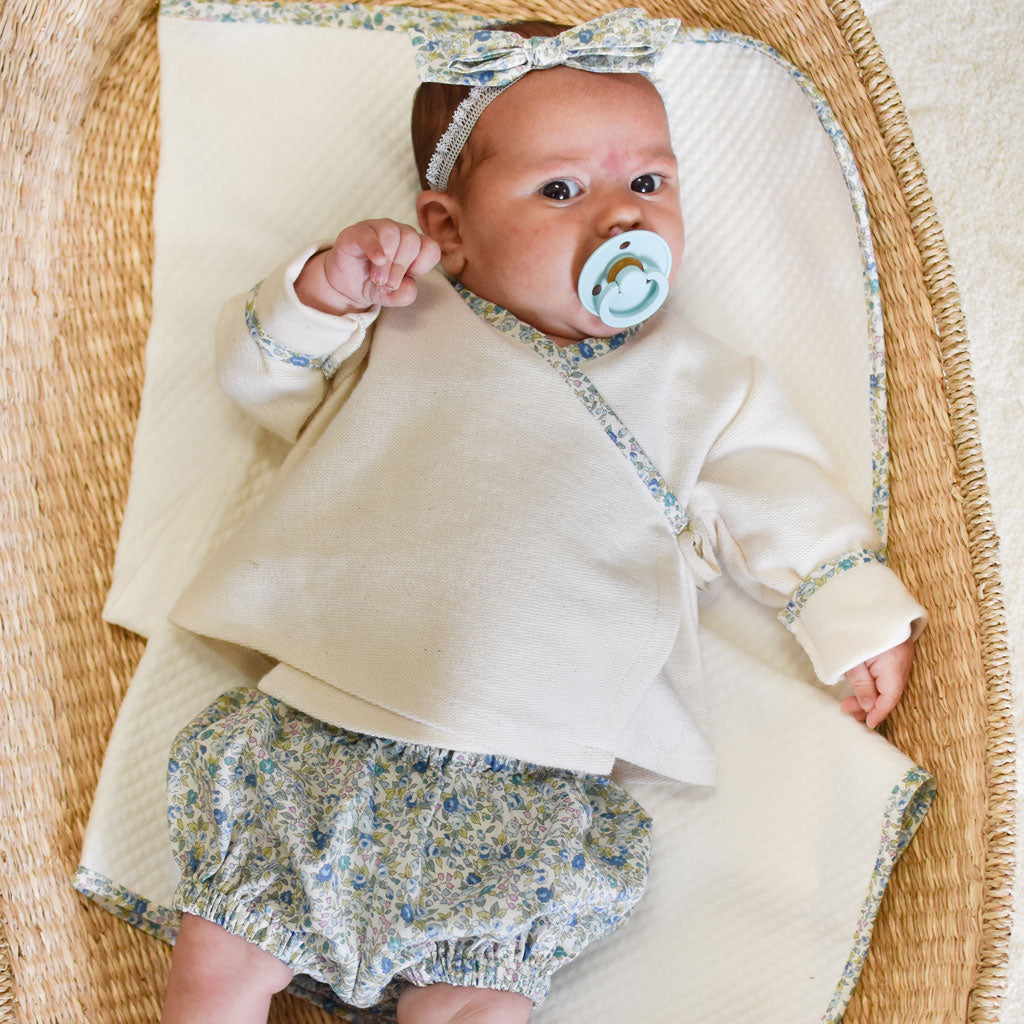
(562,160)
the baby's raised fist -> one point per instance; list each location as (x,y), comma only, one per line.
(373,262)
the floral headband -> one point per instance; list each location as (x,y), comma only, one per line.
(623,42)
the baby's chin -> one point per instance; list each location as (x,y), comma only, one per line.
(566,325)
(581,327)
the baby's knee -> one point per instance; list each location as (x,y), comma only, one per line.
(454,1004)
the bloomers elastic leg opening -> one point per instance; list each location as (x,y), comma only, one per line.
(234,916)
(483,963)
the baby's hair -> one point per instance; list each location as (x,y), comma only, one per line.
(435,103)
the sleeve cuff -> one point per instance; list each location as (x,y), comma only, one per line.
(851,615)
(315,338)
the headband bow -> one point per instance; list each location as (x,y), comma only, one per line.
(625,41)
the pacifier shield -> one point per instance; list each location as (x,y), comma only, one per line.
(625,279)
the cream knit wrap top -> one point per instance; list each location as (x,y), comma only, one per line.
(458,552)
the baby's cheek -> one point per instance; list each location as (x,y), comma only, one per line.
(524,244)
(529,262)
(672,231)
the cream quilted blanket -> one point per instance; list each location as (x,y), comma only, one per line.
(764,890)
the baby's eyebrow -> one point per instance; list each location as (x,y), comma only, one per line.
(566,161)
(659,153)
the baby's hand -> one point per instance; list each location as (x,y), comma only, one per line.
(374,262)
(878,684)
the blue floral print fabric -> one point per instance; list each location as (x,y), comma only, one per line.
(358,860)
(623,42)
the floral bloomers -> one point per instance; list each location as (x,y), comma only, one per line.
(357,860)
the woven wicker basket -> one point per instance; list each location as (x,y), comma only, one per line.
(77,162)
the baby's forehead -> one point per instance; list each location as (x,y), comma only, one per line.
(556,106)
(559,86)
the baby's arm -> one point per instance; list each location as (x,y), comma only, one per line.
(279,345)
(792,538)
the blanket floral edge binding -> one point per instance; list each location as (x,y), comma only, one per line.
(912,796)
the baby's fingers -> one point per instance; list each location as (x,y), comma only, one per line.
(373,244)
(880,711)
(427,257)
(380,241)
(406,290)
(851,706)
(864,689)
(891,670)
(415,255)
(359,259)
(377,260)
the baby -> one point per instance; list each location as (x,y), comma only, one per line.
(476,576)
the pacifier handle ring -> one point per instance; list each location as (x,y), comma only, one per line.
(608,293)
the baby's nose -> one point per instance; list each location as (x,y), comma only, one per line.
(622,212)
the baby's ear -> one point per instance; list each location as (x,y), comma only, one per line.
(439,214)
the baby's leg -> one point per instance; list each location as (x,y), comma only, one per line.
(216,976)
(454,1004)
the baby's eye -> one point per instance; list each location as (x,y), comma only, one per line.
(646,183)
(561,189)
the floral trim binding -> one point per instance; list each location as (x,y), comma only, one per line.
(321,15)
(276,350)
(872,290)
(905,809)
(581,352)
(159,921)
(566,362)
(907,805)
(817,579)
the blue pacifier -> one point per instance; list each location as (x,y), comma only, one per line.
(625,279)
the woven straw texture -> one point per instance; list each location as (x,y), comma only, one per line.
(78,156)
